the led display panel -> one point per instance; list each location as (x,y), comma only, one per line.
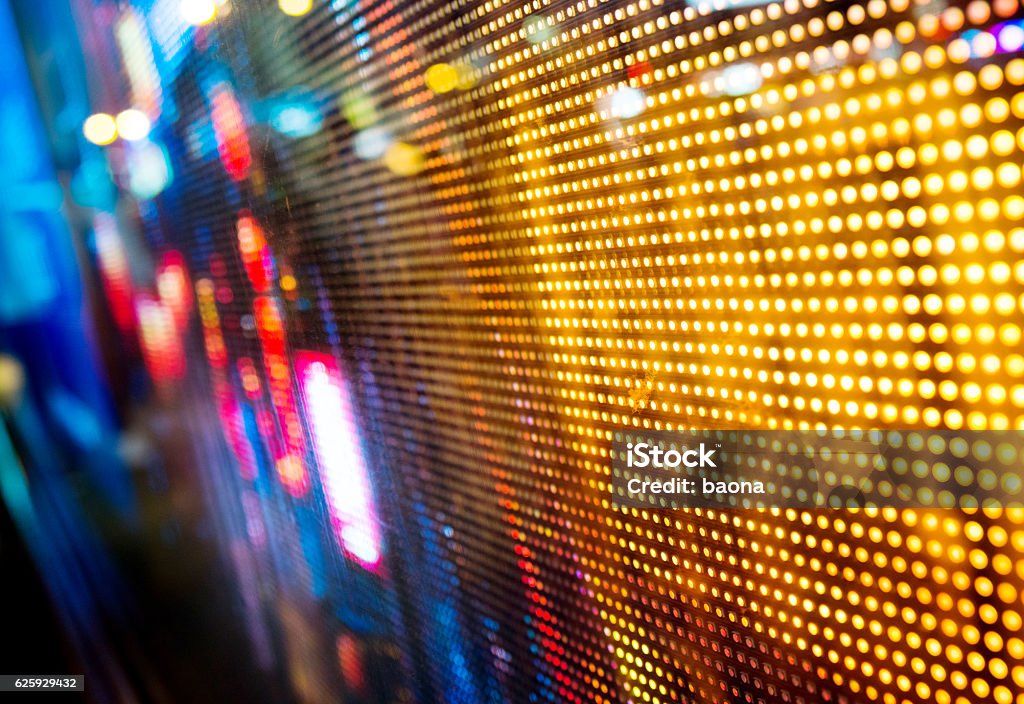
(446,254)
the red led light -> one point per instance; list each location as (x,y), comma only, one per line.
(230,131)
(638,70)
(255,252)
(172,284)
(162,349)
(291,468)
(350,661)
(115,272)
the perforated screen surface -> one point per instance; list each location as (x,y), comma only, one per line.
(443,252)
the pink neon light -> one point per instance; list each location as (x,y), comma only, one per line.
(231,422)
(342,465)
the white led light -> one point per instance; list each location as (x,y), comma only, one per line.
(133,125)
(628,102)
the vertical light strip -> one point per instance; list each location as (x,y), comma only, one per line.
(291,467)
(342,465)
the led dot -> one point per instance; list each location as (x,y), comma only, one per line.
(198,12)
(295,8)
(100,129)
(132,125)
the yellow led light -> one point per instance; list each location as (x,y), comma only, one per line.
(403,159)
(100,128)
(198,12)
(442,78)
(295,8)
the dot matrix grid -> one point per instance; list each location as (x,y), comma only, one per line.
(527,227)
